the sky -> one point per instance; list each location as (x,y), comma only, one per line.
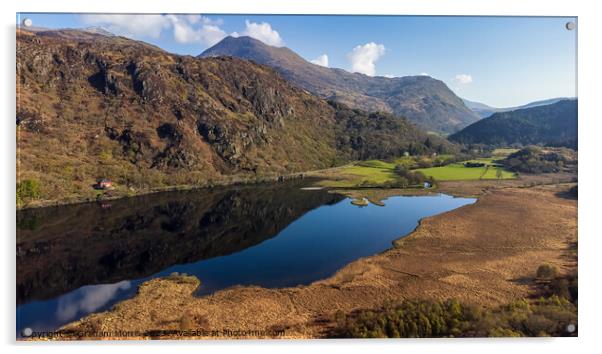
(499,61)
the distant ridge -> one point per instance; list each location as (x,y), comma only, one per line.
(425,101)
(484,110)
(552,125)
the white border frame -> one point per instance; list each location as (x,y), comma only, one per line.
(589,27)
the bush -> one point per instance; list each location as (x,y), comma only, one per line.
(470,164)
(451,318)
(534,160)
(408,178)
(546,272)
(424,163)
(27,189)
(547,315)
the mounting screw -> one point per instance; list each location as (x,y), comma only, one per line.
(570,25)
(26,332)
(570,328)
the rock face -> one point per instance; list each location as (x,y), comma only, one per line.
(91,106)
(425,101)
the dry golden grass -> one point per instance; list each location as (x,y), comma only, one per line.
(485,253)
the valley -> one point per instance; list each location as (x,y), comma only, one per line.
(246,192)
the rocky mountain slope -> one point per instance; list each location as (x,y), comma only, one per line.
(423,100)
(92,106)
(550,125)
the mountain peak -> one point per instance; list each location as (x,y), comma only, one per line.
(250,48)
(243,39)
(426,101)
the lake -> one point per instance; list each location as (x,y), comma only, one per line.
(77,259)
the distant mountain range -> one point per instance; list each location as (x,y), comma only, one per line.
(552,125)
(485,111)
(427,102)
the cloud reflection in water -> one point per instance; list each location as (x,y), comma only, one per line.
(88,299)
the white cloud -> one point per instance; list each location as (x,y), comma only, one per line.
(424,74)
(462,79)
(363,57)
(263,32)
(129,25)
(196,29)
(390,76)
(186,28)
(322,60)
(196,19)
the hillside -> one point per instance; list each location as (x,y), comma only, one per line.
(485,111)
(550,125)
(92,106)
(423,100)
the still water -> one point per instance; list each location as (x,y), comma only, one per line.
(78,259)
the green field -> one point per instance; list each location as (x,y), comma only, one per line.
(380,172)
(377,172)
(371,172)
(458,172)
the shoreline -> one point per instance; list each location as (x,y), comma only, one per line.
(317,175)
(175,188)
(343,281)
(225,182)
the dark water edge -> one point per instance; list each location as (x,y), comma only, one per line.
(77,259)
(230,182)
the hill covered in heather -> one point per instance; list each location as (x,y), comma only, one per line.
(93,106)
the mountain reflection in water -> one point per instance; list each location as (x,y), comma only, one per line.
(77,259)
(63,248)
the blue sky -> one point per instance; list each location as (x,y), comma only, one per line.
(500,61)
